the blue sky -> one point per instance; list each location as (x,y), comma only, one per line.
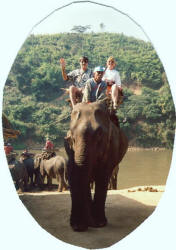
(64,19)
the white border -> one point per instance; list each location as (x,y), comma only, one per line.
(17,229)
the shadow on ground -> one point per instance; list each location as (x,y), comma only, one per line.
(52,212)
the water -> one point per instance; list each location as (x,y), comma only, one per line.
(141,168)
(144,168)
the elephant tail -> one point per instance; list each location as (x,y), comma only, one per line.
(65,171)
(66,175)
(123,145)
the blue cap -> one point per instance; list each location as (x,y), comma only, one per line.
(99,68)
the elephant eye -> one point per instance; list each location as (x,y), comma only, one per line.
(75,115)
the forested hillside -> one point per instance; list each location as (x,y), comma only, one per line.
(34,102)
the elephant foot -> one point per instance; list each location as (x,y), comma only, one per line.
(19,191)
(100,222)
(79,227)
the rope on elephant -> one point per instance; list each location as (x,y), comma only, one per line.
(47,155)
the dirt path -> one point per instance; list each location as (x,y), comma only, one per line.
(125,209)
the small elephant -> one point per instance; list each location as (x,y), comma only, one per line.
(19,175)
(55,167)
(29,164)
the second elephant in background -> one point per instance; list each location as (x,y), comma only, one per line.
(55,167)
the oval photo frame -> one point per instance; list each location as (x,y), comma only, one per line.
(57,243)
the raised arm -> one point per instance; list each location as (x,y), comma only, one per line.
(64,74)
(86,92)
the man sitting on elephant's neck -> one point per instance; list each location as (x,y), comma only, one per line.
(95,88)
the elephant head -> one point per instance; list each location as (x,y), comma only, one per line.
(90,133)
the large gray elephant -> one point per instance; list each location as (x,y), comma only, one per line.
(95,146)
(54,167)
(19,175)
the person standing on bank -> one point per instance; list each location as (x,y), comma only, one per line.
(112,78)
(78,78)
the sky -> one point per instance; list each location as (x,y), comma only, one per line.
(91,14)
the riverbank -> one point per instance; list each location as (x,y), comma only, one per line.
(126,209)
(136,149)
(130,148)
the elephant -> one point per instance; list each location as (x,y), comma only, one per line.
(29,164)
(19,175)
(54,167)
(95,146)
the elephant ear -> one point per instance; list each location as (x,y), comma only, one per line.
(37,161)
(68,144)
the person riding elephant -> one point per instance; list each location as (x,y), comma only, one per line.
(26,154)
(113,81)
(95,146)
(54,167)
(8,148)
(49,146)
(77,77)
(95,88)
(48,150)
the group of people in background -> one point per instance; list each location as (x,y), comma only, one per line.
(47,151)
(93,85)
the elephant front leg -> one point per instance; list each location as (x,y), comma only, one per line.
(98,207)
(20,185)
(81,199)
(31,181)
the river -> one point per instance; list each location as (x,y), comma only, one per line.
(139,168)
(145,167)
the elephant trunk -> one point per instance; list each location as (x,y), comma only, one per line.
(81,154)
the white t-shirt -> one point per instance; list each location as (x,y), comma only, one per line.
(112,75)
